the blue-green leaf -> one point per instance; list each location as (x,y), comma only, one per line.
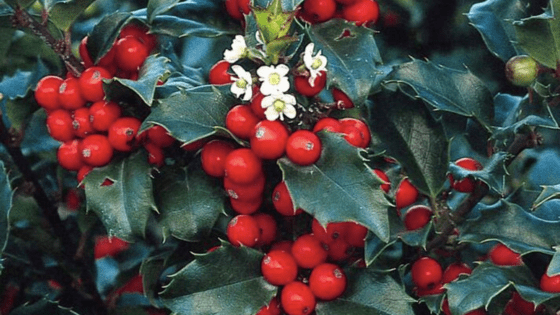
(156,7)
(6,195)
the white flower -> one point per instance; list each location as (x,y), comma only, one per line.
(243,84)
(274,80)
(279,105)
(315,64)
(238,50)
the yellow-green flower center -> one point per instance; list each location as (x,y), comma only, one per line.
(241,83)
(279,105)
(316,64)
(274,78)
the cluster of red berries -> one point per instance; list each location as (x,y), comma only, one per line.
(89,126)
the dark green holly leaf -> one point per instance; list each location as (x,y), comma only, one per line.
(272,21)
(493,173)
(403,129)
(20,109)
(433,302)
(510,224)
(554,265)
(145,86)
(352,57)
(548,193)
(445,89)
(6,195)
(156,7)
(190,203)
(537,35)
(104,34)
(538,297)
(151,270)
(130,195)
(485,283)
(338,187)
(369,293)
(493,19)
(287,5)
(193,114)
(180,27)
(42,307)
(223,282)
(63,14)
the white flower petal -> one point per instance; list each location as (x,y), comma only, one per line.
(290,111)
(282,69)
(263,72)
(248,93)
(267,101)
(271,113)
(288,99)
(238,70)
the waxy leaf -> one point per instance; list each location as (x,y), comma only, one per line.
(494,20)
(193,114)
(6,195)
(548,193)
(190,203)
(369,293)
(404,130)
(352,57)
(483,285)
(445,89)
(493,173)
(148,76)
(554,265)
(156,7)
(516,228)
(225,281)
(338,187)
(105,33)
(538,35)
(42,307)
(181,27)
(63,14)
(124,206)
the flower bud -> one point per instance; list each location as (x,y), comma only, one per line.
(522,70)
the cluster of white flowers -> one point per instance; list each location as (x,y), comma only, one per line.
(274,80)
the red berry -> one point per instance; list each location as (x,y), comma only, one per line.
(519,306)
(91,83)
(426,273)
(282,201)
(437,289)
(329,124)
(59,125)
(219,73)
(155,154)
(84,53)
(279,267)
(122,133)
(46,92)
(273,308)
(103,114)
(141,33)
(339,250)
(241,120)
(297,299)
(243,230)
(308,251)
(327,281)
(69,94)
(267,227)
(406,194)
(82,123)
(361,11)
(318,11)
(245,192)
(232,8)
(303,147)
(466,184)
(385,187)
(285,245)
(72,200)
(256,105)
(355,234)
(242,166)
(303,87)
(342,100)
(213,157)
(269,139)
(194,145)
(364,136)
(334,231)
(83,171)
(246,206)
(417,217)
(69,155)
(96,150)
(159,136)
(130,53)
(501,255)
(108,246)
(454,270)
(550,283)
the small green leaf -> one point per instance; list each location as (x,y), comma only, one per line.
(223,282)
(63,14)
(103,36)
(445,89)
(193,114)
(130,195)
(404,130)
(352,57)
(547,193)
(368,293)
(6,195)
(538,35)
(145,86)
(273,22)
(483,285)
(156,7)
(190,203)
(338,187)
(516,228)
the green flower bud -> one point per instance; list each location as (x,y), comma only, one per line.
(522,70)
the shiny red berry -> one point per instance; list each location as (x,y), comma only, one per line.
(156,156)
(406,194)
(256,104)
(103,114)
(242,166)
(219,73)
(318,11)
(426,273)
(245,192)
(122,133)
(140,33)
(308,251)
(361,12)
(159,136)
(268,139)
(246,206)
(243,230)
(417,217)
(46,92)
(279,267)
(303,147)
(329,124)
(454,270)
(82,123)
(69,94)
(327,281)
(267,227)
(297,299)
(387,186)
(240,121)
(501,255)
(355,234)
(59,125)
(466,184)
(91,83)
(342,100)
(304,87)
(282,201)
(364,137)
(96,150)
(332,232)
(130,53)
(109,246)
(213,157)
(69,156)
(273,308)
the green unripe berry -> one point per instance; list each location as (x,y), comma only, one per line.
(522,70)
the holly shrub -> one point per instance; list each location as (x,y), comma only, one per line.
(285,157)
